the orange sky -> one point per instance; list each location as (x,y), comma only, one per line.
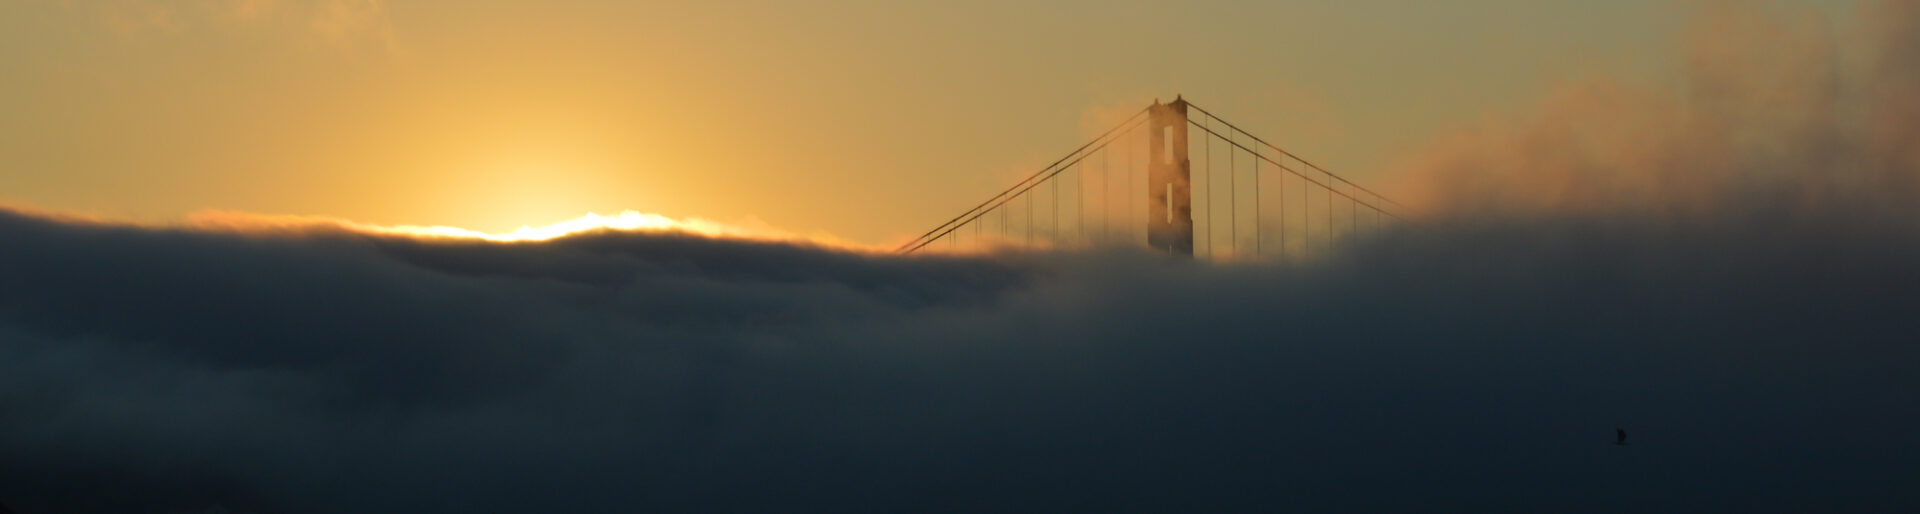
(867,120)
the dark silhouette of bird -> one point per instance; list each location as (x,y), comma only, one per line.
(1620,437)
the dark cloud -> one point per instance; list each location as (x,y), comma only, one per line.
(1757,366)
(186,366)
(1752,328)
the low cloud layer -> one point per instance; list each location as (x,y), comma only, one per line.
(1760,353)
(1756,367)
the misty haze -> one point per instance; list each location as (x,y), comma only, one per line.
(331,256)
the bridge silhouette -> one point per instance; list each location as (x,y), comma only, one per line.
(1134,186)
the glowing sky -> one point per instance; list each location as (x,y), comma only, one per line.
(314,257)
(868,120)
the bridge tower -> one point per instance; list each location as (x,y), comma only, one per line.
(1169,206)
(1169,192)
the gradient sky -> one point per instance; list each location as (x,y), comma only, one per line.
(868,120)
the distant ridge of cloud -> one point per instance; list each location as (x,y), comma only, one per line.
(624,221)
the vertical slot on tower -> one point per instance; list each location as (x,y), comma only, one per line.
(1166,143)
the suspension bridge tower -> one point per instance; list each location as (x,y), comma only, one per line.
(1169,173)
(1081,207)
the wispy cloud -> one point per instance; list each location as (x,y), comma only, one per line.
(1769,112)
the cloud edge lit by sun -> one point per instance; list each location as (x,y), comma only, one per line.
(624,221)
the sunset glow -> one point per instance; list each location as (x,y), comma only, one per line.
(625,221)
(870,123)
(437,257)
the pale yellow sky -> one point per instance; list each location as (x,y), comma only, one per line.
(869,120)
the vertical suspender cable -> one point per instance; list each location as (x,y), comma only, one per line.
(1127,192)
(1233,202)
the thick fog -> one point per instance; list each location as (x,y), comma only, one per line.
(1728,274)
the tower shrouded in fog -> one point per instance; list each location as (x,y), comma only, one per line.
(1169,191)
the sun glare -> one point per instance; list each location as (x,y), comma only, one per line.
(625,221)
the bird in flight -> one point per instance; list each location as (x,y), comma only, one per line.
(1620,436)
